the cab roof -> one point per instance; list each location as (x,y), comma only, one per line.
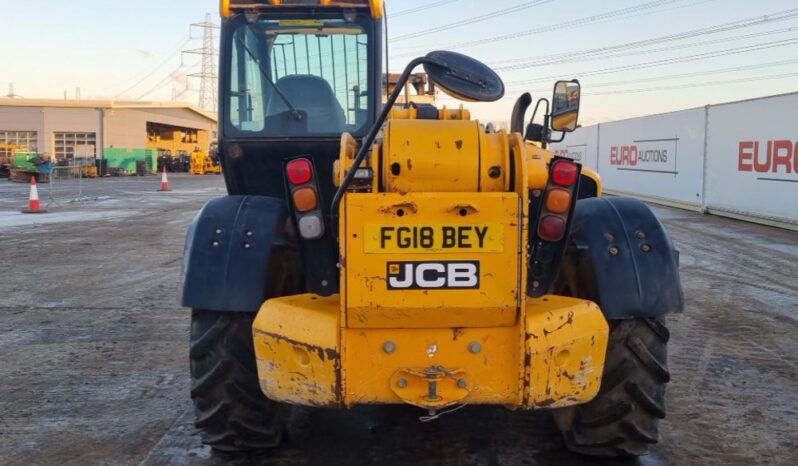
(229,8)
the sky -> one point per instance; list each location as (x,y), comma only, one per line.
(633,57)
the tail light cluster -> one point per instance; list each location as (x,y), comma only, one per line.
(553,210)
(305,198)
(558,201)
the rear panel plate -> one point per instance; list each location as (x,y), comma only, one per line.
(431,260)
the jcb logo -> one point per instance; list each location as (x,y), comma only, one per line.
(433,275)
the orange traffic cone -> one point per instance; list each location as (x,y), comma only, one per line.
(164,181)
(34,205)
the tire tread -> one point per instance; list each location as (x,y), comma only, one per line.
(231,412)
(623,418)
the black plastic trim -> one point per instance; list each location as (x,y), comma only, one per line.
(621,257)
(231,251)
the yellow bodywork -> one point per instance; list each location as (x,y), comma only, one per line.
(411,113)
(433,309)
(537,161)
(551,357)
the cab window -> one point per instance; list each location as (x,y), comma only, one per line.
(299,78)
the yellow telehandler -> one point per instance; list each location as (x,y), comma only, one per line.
(203,162)
(372,253)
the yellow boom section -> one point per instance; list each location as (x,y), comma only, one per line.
(229,8)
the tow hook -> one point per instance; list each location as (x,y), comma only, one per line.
(431,388)
(432,375)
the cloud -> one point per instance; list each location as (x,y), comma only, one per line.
(145,53)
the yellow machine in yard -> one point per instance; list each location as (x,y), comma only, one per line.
(203,163)
(406,254)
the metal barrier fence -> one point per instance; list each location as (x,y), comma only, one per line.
(738,159)
(66,184)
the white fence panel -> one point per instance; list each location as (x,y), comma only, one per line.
(659,156)
(752,158)
(581,145)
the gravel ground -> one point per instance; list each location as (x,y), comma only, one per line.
(94,349)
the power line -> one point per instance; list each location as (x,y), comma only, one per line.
(681,75)
(420,8)
(733,69)
(166,81)
(523,63)
(695,85)
(476,19)
(681,86)
(613,14)
(667,49)
(671,61)
(161,84)
(157,67)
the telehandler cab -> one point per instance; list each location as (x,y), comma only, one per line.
(406,254)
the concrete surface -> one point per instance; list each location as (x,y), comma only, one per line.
(94,350)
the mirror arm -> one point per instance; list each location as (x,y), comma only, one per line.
(375,129)
(537,106)
(562,137)
(546,131)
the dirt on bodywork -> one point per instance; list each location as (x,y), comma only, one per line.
(94,351)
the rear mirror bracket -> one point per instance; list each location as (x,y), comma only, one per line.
(561,113)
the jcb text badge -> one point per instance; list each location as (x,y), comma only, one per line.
(444,275)
(402,239)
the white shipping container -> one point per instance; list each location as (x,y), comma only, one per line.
(659,156)
(581,145)
(752,158)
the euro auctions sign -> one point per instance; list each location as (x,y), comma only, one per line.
(659,156)
(752,157)
(653,155)
(769,157)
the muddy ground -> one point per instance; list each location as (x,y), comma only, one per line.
(94,354)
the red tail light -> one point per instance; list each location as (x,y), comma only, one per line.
(299,171)
(551,228)
(554,209)
(564,173)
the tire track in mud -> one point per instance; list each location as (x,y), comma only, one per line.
(744,262)
(732,399)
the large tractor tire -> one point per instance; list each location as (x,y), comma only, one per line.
(623,418)
(231,411)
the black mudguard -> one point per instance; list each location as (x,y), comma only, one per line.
(622,258)
(231,250)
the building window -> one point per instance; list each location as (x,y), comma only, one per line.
(17,141)
(70,145)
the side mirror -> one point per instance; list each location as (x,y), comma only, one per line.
(565,106)
(463,77)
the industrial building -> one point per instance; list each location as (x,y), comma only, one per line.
(64,131)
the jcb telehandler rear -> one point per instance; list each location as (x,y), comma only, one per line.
(406,254)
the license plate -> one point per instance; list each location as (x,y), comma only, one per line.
(403,239)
